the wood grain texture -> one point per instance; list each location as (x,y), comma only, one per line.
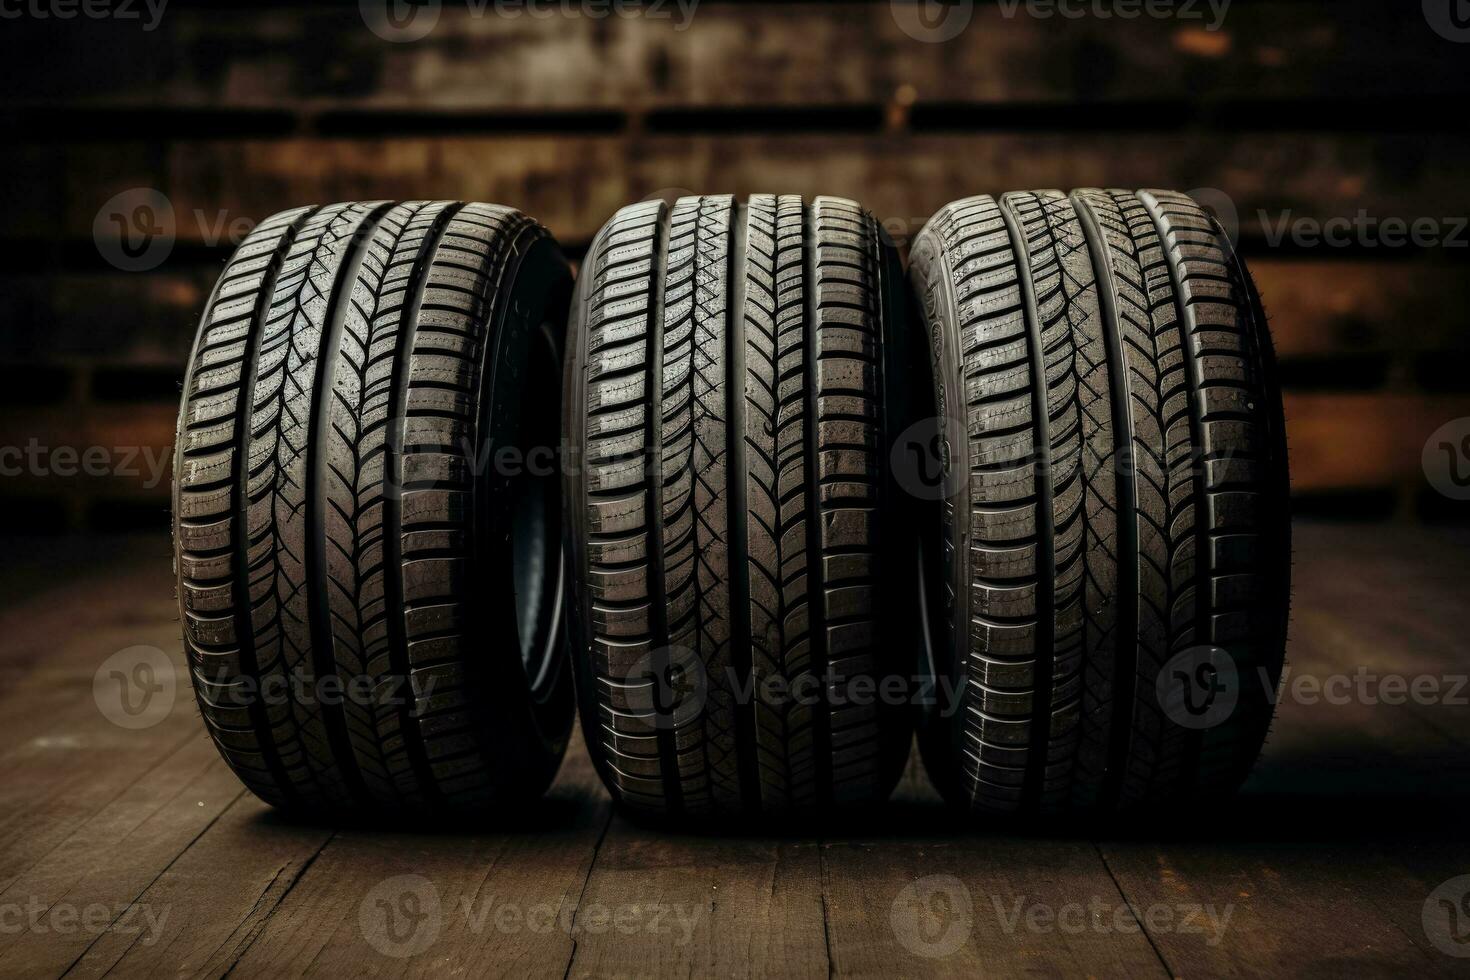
(572,183)
(739,54)
(1363,440)
(1322,865)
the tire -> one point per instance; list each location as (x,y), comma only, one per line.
(730,538)
(371,609)
(1108,610)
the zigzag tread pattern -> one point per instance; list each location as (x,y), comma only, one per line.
(728,567)
(1167,358)
(322,505)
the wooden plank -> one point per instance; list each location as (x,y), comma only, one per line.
(122,825)
(1351,641)
(109,318)
(55,595)
(257,854)
(490,901)
(1325,862)
(63,759)
(90,886)
(302,894)
(1373,307)
(954,905)
(1363,440)
(1321,865)
(731,54)
(1289,907)
(1327,742)
(118,451)
(905,891)
(668,903)
(574,183)
(917,894)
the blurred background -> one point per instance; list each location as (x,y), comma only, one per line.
(144,141)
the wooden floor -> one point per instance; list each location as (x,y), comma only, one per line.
(136,852)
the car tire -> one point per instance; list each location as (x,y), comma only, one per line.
(732,553)
(371,601)
(1107,610)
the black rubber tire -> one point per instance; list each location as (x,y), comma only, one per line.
(1079,586)
(363,634)
(721,542)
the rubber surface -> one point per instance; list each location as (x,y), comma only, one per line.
(731,544)
(346,581)
(1109,567)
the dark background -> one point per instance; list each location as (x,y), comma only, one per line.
(229,112)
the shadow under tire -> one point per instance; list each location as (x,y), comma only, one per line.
(730,543)
(1108,572)
(369,565)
